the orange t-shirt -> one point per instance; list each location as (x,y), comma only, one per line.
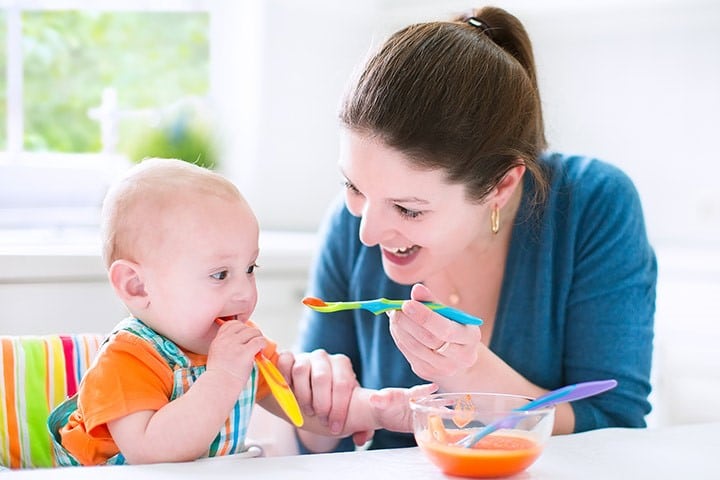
(128,376)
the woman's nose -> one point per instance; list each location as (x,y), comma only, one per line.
(371,226)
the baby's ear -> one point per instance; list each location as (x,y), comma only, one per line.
(127,281)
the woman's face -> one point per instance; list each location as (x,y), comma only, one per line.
(422,223)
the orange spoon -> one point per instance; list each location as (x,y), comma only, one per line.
(278,386)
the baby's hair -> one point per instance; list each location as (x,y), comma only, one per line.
(146,188)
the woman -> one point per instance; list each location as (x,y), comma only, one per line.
(451,196)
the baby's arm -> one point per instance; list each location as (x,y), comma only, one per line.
(391,406)
(183,429)
(388,408)
(369,410)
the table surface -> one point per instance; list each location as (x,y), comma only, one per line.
(682,452)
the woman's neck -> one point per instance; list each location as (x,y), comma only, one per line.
(474,282)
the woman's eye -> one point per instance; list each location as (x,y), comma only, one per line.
(220,275)
(251,269)
(349,186)
(404,212)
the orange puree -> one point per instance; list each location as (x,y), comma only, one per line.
(497,455)
(313,302)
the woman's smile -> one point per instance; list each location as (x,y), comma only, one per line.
(401,256)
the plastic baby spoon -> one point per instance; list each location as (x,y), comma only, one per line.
(278,386)
(382,305)
(564,394)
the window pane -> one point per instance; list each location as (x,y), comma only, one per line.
(150,59)
(3,80)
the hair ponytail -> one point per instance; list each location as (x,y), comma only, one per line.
(508,33)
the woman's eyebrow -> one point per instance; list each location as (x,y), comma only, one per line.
(396,200)
(409,200)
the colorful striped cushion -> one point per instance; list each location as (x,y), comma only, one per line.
(38,372)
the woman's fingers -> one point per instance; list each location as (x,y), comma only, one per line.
(301,383)
(435,346)
(321,378)
(343,384)
(323,385)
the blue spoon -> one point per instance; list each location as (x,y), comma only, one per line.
(382,305)
(561,395)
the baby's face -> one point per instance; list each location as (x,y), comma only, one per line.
(201,268)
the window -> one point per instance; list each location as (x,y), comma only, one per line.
(85,87)
(3,81)
(274,74)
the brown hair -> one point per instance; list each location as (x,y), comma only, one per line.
(458,96)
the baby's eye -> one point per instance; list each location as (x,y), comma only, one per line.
(222,275)
(251,269)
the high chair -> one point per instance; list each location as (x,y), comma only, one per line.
(38,372)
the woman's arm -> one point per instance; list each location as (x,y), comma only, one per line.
(611,306)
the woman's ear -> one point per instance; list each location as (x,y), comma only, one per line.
(508,184)
(126,279)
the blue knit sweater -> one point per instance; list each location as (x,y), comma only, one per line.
(577,300)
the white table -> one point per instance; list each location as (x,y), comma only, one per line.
(680,452)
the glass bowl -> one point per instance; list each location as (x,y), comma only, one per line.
(442,419)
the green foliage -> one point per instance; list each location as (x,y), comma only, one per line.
(186,135)
(152,59)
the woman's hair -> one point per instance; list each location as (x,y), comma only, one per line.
(460,96)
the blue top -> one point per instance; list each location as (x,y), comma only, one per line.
(577,300)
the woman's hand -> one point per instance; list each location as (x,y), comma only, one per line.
(322,383)
(436,348)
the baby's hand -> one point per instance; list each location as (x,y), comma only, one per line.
(233,349)
(391,406)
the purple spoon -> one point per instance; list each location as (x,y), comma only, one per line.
(561,395)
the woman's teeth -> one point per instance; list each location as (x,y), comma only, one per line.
(404,252)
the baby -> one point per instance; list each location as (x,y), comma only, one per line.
(180,244)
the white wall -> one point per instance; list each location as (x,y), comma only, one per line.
(633,82)
(282,135)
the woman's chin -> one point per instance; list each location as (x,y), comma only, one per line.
(400,275)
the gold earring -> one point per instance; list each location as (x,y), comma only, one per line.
(495,220)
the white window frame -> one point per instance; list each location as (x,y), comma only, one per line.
(38,170)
